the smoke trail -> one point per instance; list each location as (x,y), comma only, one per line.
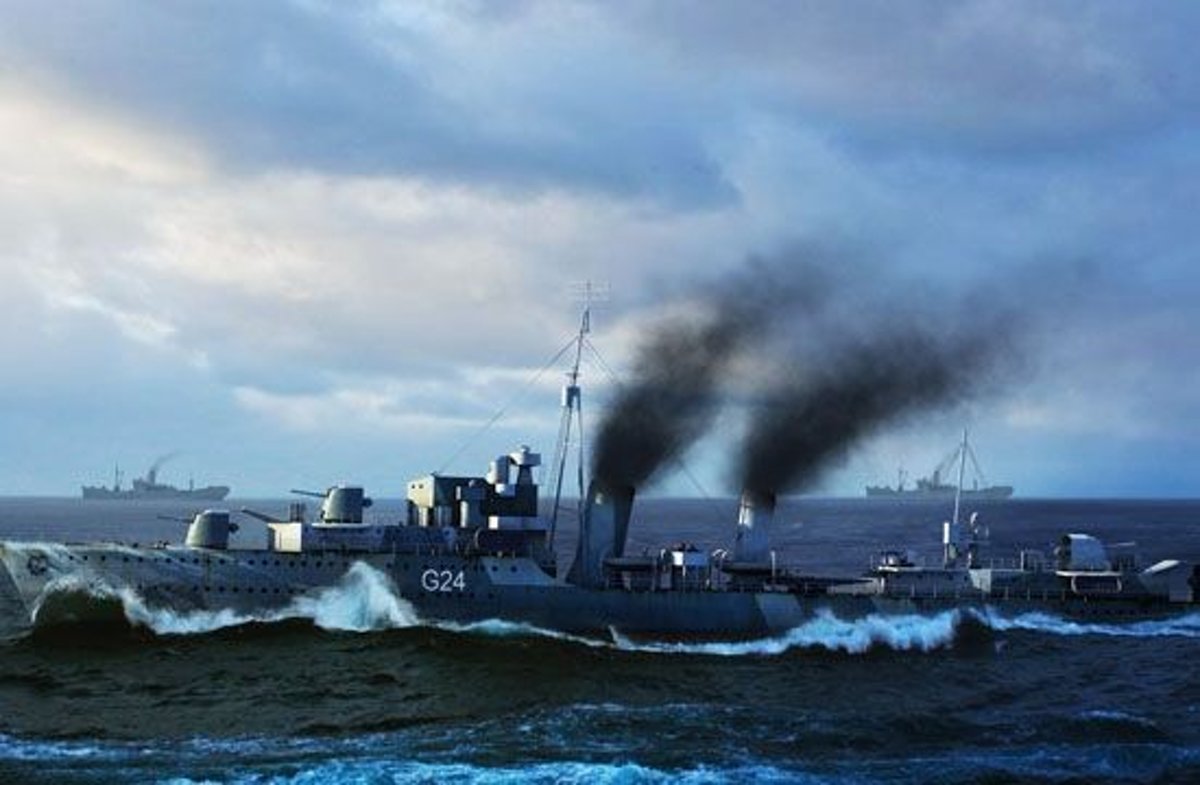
(893,368)
(671,399)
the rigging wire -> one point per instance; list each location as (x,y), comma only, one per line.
(474,437)
(600,363)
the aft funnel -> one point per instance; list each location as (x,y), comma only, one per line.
(752,541)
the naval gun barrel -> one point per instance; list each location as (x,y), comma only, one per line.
(262,516)
(313,494)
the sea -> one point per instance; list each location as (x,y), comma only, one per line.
(356,687)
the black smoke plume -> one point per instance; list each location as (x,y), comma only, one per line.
(890,369)
(672,397)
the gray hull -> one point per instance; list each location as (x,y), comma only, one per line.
(49,584)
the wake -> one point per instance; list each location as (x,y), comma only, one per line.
(1187,626)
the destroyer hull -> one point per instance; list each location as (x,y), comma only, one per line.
(51,584)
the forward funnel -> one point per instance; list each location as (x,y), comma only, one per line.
(602,533)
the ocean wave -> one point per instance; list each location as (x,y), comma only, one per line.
(380,759)
(826,631)
(363,600)
(500,628)
(1187,626)
(258,761)
(559,773)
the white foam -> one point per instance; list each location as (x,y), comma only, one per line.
(363,600)
(827,631)
(1180,626)
(824,630)
(500,628)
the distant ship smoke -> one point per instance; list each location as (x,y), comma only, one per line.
(672,396)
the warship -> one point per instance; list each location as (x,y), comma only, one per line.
(149,488)
(477,548)
(935,486)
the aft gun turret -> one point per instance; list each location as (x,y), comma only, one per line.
(207,529)
(340,503)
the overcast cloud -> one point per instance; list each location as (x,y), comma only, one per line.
(306,242)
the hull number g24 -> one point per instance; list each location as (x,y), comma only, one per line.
(443,580)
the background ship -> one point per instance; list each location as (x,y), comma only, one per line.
(149,487)
(935,485)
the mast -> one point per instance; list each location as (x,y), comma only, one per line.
(962,466)
(572,419)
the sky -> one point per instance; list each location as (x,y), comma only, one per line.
(315,242)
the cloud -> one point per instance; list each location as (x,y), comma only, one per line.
(366,89)
(1019,76)
(306,214)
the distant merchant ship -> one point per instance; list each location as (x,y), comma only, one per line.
(935,486)
(149,488)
